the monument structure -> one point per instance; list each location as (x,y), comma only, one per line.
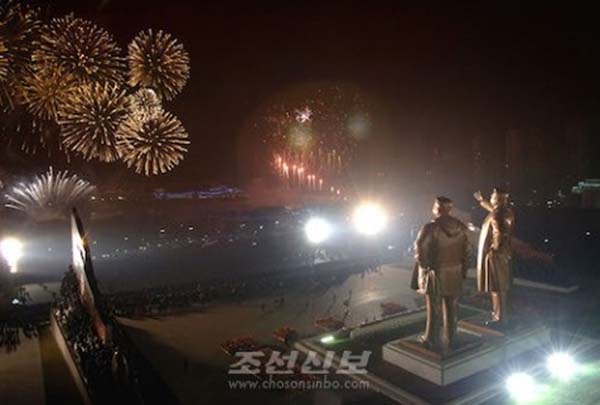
(442,261)
(494,273)
(450,349)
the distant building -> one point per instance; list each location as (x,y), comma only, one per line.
(219,192)
(587,193)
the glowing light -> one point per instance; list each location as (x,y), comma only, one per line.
(300,138)
(358,126)
(303,115)
(369,218)
(12,251)
(562,366)
(317,230)
(522,387)
(327,339)
(314,128)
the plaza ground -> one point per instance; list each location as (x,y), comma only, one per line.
(168,341)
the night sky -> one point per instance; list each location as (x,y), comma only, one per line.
(438,75)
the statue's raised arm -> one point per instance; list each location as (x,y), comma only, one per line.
(485,204)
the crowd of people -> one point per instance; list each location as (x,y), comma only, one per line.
(10,333)
(17,320)
(166,299)
(113,370)
(93,356)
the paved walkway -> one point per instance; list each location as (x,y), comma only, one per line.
(21,374)
(35,373)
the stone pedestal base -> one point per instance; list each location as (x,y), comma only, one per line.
(475,352)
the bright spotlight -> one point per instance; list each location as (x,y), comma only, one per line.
(369,218)
(561,365)
(327,339)
(522,387)
(12,251)
(317,230)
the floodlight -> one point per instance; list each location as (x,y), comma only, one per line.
(369,218)
(12,251)
(327,339)
(521,387)
(317,230)
(561,365)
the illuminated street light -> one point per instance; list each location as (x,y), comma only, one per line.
(561,365)
(522,387)
(12,251)
(317,230)
(369,219)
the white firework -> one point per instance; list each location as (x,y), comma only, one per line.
(49,195)
(304,115)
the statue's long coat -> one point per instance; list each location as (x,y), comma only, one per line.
(494,272)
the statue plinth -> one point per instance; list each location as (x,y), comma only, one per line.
(476,349)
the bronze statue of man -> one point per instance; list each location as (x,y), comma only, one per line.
(442,258)
(494,274)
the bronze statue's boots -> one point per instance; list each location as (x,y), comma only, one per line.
(499,310)
(425,342)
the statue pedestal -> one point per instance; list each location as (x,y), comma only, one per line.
(478,348)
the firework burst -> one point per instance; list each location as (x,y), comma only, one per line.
(154,145)
(50,195)
(4,61)
(80,48)
(90,119)
(44,92)
(19,29)
(313,132)
(145,103)
(158,60)
(319,126)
